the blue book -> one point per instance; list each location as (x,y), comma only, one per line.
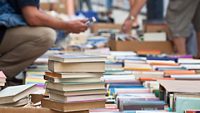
(125,85)
(170,68)
(112,88)
(161,58)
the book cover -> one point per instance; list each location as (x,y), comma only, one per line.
(70,58)
(73,75)
(70,107)
(76,67)
(72,80)
(14,93)
(184,103)
(188,60)
(78,93)
(81,98)
(75,86)
(180,86)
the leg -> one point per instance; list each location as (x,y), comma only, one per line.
(196,21)
(180,45)
(192,43)
(109,5)
(155,10)
(198,42)
(179,19)
(89,5)
(21,46)
(80,5)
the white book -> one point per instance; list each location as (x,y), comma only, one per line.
(191,66)
(155,36)
(188,61)
(132,90)
(73,58)
(135,62)
(138,66)
(15,93)
(161,61)
(82,98)
(72,80)
(122,53)
(187,77)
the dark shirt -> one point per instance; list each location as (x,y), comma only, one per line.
(17,5)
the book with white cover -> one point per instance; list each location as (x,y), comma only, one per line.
(72,80)
(138,66)
(122,53)
(188,61)
(77,93)
(191,66)
(186,77)
(134,61)
(149,74)
(81,98)
(75,86)
(15,93)
(156,36)
(81,67)
(161,61)
(70,58)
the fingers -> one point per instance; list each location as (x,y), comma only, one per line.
(123,29)
(77,26)
(83,20)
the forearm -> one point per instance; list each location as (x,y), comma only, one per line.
(39,18)
(136,6)
(34,17)
(42,19)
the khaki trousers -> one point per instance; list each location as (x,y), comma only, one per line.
(181,14)
(21,46)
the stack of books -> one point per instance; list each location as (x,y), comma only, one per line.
(16,96)
(139,101)
(74,83)
(180,95)
(2,79)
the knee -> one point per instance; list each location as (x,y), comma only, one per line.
(47,36)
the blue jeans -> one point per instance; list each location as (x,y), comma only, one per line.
(109,4)
(88,3)
(155,10)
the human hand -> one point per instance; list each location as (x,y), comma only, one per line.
(127,26)
(77,26)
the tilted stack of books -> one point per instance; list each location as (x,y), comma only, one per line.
(74,83)
(16,96)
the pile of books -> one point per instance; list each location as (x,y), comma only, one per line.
(181,95)
(74,83)
(16,96)
(2,79)
(139,99)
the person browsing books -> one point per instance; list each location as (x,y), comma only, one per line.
(180,15)
(26,33)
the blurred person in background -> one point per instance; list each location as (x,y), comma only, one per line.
(87,2)
(155,10)
(180,15)
(109,5)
